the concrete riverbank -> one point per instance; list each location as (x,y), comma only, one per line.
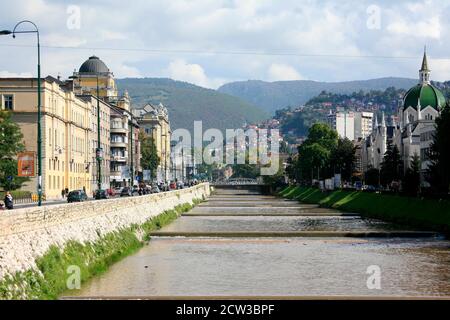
(36,243)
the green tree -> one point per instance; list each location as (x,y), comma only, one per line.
(314,154)
(391,167)
(372,177)
(343,158)
(439,170)
(11,143)
(149,155)
(411,181)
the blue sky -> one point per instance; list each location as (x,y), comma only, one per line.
(211,42)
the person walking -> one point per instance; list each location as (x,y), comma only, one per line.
(9,204)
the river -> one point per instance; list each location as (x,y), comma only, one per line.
(264,265)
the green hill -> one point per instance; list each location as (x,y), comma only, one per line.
(277,95)
(187,102)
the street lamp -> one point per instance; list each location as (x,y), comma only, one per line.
(39,133)
(99,153)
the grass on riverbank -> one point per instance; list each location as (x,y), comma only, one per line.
(53,269)
(415,212)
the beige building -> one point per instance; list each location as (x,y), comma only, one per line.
(154,121)
(120,143)
(105,140)
(66,132)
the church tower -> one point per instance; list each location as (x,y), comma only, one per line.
(424,72)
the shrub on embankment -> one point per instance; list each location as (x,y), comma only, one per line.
(415,212)
(50,278)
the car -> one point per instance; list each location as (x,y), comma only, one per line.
(135,191)
(126,192)
(163,187)
(155,189)
(173,185)
(101,194)
(111,192)
(76,196)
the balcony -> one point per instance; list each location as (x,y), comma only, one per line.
(119,130)
(118,144)
(118,158)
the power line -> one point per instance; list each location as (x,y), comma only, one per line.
(221,52)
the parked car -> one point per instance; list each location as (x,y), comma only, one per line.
(155,189)
(173,185)
(180,185)
(101,194)
(76,196)
(163,186)
(135,191)
(111,192)
(126,192)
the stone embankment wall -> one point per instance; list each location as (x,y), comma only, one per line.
(26,234)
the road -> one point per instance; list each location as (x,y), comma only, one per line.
(241,243)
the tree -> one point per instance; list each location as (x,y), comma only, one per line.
(11,143)
(149,155)
(439,170)
(391,167)
(372,177)
(314,154)
(411,181)
(343,157)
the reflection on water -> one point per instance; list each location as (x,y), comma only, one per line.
(262,223)
(294,266)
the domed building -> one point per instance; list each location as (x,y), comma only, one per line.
(413,129)
(420,107)
(92,72)
(117,127)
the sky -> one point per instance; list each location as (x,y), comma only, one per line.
(213,42)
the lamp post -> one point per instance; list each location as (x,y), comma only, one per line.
(131,154)
(99,148)
(39,133)
(165,155)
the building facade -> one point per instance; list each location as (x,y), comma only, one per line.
(154,122)
(363,124)
(120,143)
(66,132)
(413,132)
(344,123)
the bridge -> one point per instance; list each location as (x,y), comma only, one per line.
(236,182)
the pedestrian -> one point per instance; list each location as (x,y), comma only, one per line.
(8,201)
(63,193)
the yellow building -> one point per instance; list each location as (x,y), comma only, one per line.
(123,149)
(154,121)
(92,72)
(66,132)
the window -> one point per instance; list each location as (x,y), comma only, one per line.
(8,103)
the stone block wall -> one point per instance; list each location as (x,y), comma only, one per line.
(26,234)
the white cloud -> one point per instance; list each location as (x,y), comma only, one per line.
(279,72)
(429,28)
(7,74)
(183,32)
(181,70)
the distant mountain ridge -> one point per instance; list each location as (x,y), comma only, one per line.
(187,103)
(272,96)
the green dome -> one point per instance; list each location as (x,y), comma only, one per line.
(428,94)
